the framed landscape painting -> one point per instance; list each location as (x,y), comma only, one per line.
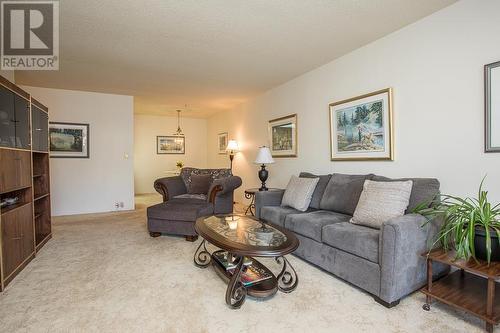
(492,107)
(222,142)
(361,128)
(283,136)
(69,140)
(170,144)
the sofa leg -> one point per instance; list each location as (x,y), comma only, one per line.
(192,238)
(154,234)
(384,303)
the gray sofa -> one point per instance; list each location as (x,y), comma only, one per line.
(179,210)
(387,263)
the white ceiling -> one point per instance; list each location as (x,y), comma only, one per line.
(211,54)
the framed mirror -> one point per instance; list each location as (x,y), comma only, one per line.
(492,107)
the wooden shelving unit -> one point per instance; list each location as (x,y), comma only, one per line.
(472,288)
(25,225)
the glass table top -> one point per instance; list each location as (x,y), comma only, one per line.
(245,230)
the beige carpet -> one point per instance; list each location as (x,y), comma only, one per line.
(103,273)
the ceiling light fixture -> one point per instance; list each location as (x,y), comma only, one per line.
(179,130)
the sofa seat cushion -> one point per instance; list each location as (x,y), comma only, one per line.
(180,210)
(355,239)
(276,214)
(311,224)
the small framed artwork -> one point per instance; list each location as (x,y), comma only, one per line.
(361,128)
(222,142)
(170,144)
(492,107)
(283,136)
(69,140)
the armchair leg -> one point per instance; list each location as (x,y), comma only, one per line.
(155,234)
(191,238)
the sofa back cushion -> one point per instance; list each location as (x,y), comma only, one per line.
(423,190)
(320,188)
(342,193)
(186,174)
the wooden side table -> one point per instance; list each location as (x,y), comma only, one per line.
(250,194)
(471,288)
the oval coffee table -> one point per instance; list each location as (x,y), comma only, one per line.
(242,238)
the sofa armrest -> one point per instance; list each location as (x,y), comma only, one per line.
(223,186)
(169,187)
(403,240)
(267,198)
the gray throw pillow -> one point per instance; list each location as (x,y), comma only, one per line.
(298,193)
(200,184)
(381,201)
(320,188)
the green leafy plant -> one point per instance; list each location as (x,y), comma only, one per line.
(179,164)
(460,218)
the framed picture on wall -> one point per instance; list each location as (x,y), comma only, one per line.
(170,144)
(69,140)
(283,136)
(361,128)
(222,142)
(492,107)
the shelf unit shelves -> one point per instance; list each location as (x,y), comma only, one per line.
(25,225)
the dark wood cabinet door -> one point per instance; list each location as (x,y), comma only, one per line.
(40,129)
(7,118)
(15,169)
(22,122)
(17,238)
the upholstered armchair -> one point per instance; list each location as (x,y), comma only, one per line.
(180,208)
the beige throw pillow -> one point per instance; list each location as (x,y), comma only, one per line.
(381,201)
(299,192)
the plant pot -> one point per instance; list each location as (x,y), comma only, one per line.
(480,245)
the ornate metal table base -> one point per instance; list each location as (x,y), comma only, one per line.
(287,278)
(236,292)
(202,257)
(251,206)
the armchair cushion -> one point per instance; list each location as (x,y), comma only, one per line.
(200,184)
(170,187)
(187,173)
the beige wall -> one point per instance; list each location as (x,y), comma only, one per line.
(148,165)
(9,75)
(95,184)
(435,67)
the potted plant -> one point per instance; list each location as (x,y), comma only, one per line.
(179,164)
(470,226)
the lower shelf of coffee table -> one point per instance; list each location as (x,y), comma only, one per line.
(263,289)
(467,292)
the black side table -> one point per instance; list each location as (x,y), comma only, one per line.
(250,194)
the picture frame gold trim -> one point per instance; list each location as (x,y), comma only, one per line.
(488,145)
(270,138)
(390,124)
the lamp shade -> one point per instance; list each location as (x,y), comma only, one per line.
(264,156)
(232,145)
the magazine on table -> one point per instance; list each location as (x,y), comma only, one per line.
(221,257)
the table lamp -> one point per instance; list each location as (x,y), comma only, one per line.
(263,157)
(232,148)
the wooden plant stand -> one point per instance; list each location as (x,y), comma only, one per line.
(471,288)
